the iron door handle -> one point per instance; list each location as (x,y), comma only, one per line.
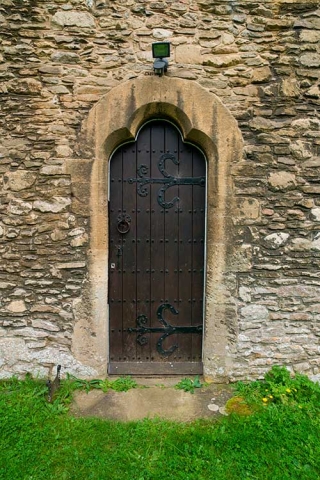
(124,223)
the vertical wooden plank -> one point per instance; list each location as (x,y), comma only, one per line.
(129,252)
(157,237)
(198,234)
(171,253)
(115,277)
(143,241)
(185,250)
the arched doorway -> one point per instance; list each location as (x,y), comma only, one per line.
(156,254)
(203,121)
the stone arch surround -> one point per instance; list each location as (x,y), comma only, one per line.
(203,121)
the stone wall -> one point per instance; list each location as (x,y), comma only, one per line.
(262,59)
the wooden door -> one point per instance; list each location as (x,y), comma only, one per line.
(156,260)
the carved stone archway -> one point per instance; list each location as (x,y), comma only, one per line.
(203,121)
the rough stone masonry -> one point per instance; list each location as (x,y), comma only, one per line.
(262,60)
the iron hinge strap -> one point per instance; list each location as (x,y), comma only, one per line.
(142,329)
(167,181)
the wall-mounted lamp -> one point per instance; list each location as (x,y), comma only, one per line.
(160,50)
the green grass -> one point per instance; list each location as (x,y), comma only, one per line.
(41,441)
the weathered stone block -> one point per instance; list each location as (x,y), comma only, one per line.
(161,33)
(255,313)
(16,306)
(300,150)
(221,60)
(188,54)
(276,240)
(312,36)
(315,214)
(290,87)
(310,59)
(71,265)
(282,181)
(45,325)
(29,86)
(261,74)
(248,209)
(19,207)
(57,204)
(73,18)
(65,57)
(19,180)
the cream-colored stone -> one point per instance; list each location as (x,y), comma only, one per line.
(52,170)
(282,181)
(314,91)
(57,204)
(16,306)
(276,240)
(63,151)
(261,74)
(221,60)
(213,408)
(241,260)
(310,59)
(19,180)
(19,207)
(300,150)
(70,265)
(248,208)
(290,87)
(305,244)
(188,54)
(79,241)
(24,86)
(70,18)
(255,313)
(312,36)
(315,214)
(161,33)
(45,325)
(263,124)
(58,235)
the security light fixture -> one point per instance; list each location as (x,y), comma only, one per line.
(160,50)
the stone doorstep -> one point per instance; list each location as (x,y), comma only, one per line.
(156,399)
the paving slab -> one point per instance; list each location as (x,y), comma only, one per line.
(153,399)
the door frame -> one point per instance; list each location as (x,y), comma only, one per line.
(204,121)
(169,367)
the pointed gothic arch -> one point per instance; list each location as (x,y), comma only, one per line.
(203,121)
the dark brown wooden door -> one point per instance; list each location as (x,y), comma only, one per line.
(156,262)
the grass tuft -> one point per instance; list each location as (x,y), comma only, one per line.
(122,384)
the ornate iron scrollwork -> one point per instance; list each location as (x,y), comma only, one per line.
(124,223)
(167,180)
(167,329)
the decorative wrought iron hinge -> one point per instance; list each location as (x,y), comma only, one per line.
(167,180)
(167,329)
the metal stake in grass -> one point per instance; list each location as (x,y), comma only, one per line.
(54,386)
